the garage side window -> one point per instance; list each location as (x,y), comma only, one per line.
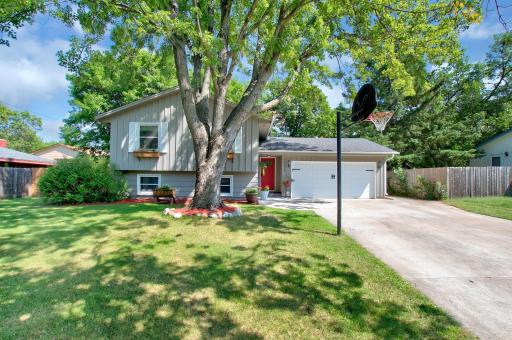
(496,161)
(147,183)
(226,185)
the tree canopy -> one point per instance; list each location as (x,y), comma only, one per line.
(441,126)
(20,129)
(104,80)
(304,112)
(213,41)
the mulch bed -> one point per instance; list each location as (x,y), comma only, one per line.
(192,212)
(185,211)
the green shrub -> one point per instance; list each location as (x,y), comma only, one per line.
(427,190)
(399,185)
(82,180)
(424,190)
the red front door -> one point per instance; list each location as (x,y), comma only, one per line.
(268,172)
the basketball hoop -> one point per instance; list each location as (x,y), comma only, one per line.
(380,119)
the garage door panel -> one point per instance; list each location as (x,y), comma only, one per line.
(318,179)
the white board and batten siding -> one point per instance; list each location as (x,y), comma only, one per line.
(176,148)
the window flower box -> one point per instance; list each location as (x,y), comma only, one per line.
(146,153)
(165,193)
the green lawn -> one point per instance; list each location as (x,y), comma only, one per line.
(492,206)
(126,271)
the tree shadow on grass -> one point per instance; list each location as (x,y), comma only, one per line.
(130,290)
(128,294)
(261,220)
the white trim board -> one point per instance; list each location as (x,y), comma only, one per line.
(231,182)
(139,193)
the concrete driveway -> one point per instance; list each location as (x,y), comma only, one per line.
(461,260)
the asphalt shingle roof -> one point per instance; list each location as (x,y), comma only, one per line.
(299,144)
(10,154)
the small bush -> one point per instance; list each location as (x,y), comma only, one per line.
(82,180)
(427,190)
(399,186)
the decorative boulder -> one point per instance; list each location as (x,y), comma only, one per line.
(199,214)
(227,215)
(213,215)
(177,215)
(204,215)
(168,211)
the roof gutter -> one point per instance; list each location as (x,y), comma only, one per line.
(331,152)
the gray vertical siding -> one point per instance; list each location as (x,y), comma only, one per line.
(179,155)
(184,181)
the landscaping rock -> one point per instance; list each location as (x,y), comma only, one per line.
(227,215)
(204,215)
(168,211)
(213,215)
(237,212)
(177,215)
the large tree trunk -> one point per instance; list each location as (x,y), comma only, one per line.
(209,174)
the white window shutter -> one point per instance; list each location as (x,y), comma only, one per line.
(237,145)
(133,136)
(163,136)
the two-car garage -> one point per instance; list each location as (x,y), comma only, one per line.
(313,179)
(300,167)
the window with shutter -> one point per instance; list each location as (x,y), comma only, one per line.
(148,137)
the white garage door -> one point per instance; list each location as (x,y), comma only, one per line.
(318,179)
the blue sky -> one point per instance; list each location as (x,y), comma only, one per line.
(33,80)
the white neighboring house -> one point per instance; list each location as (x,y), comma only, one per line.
(57,151)
(496,151)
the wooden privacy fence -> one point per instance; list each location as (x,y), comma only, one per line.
(19,182)
(466,181)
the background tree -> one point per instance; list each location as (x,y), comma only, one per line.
(440,126)
(14,14)
(279,39)
(104,80)
(282,39)
(304,112)
(20,129)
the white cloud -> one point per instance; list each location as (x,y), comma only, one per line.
(334,94)
(50,130)
(482,31)
(30,69)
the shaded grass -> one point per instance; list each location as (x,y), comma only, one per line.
(491,206)
(126,271)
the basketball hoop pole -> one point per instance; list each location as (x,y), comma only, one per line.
(338,171)
(339,132)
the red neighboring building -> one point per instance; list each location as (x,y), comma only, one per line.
(16,159)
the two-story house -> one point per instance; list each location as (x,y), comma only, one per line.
(151,144)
